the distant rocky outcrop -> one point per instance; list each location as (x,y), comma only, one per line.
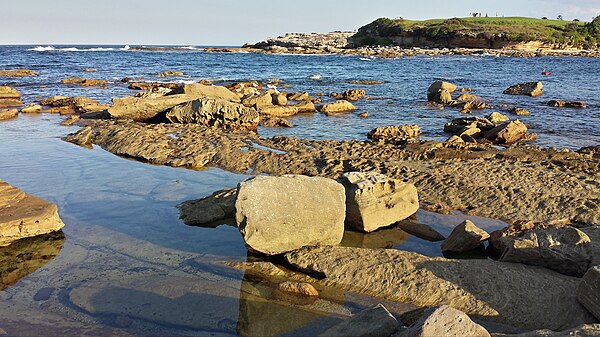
(316,41)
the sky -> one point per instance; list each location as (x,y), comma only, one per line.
(235,22)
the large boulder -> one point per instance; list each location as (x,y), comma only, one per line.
(465,237)
(374,201)
(23,215)
(566,250)
(372,322)
(305,107)
(395,133)
(588,292)
(9,97)
(144,108)
(216,207)
(280,214)
(264,99)
(440,92)
(337,106)
(353,94)
(509,293)
(527,88)
(445,321)
(509,133)
(279,111)
(216,113)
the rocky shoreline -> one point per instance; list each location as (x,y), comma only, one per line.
(545,274)
(337,43)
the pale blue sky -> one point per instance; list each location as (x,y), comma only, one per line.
(233,22)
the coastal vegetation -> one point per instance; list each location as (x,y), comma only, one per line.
(492,32)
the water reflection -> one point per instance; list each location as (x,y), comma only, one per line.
(384,238)
(25,256)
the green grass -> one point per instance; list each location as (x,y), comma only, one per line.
(517,29)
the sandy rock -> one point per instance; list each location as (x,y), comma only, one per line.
(216,207)
(374,201)
(566,104)
(337,106)
(8,114)
(70,121)
(198,90)
(9,97)
(440,92)
(170,73)
(468,98)
(279,111)
(84,82)
(23,215)
(32,108)
(566,250)
(515,294)
(215,113)
(420,230)
(445,321)
(509,133)
(364,115)
(497,118)
(298,96)
(372,322)
(275,122)
(588,291)
(305,107)
(398,132)
(279,99)
(82,137)
(152,86)
(280,214)
(465,237)
(520,112)
(18,73)
(586,330)
(298,288)
(143,109)
(441,85)
(527,88)
(353,94)
(264,99)
(78,104)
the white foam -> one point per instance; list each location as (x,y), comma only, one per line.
(126,47)
(40,48)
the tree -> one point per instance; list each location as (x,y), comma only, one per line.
(560,17)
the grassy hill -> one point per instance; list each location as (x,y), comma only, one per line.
(495,32)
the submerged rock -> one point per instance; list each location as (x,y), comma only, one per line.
(17,73)
(32,108)
(527,88)
(279,214)
(350,94)
(372,322)
(374,201)
(445,321)
(566,104)
(515,294)
(84,82)
(170,73)
(215,113)
(82,137)
(465,237)
(216,207)
(588,291)
(23,215)
(298,288)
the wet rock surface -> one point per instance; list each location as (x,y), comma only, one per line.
(216,207)
(23,215)
(549,300)
(476,179)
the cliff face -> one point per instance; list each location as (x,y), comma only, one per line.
(489,33)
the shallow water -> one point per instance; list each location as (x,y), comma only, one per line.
(398,101)
(129,266)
